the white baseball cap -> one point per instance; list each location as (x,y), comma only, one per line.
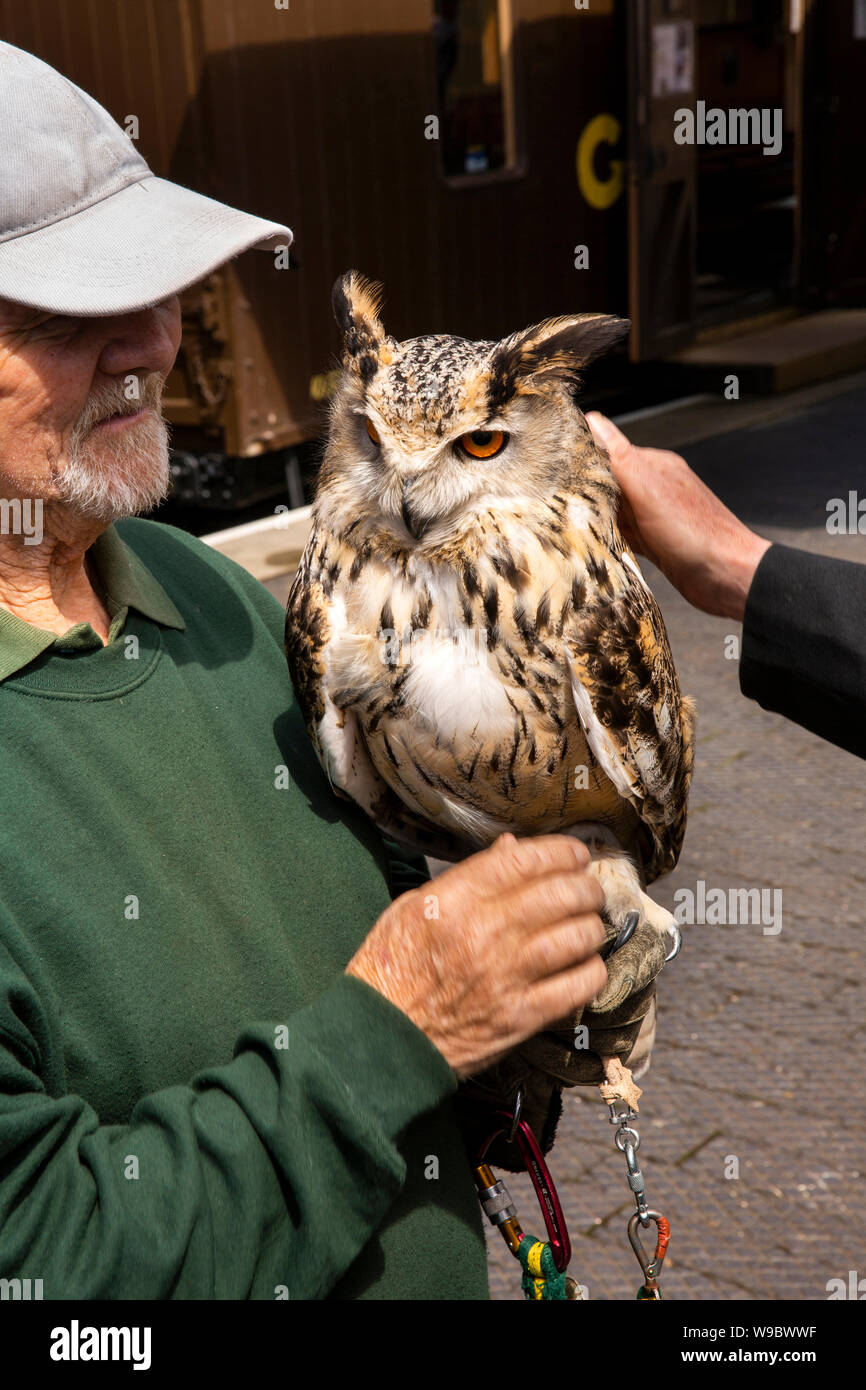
(85,227)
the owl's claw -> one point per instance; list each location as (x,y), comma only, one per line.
(676,942)
(626,933)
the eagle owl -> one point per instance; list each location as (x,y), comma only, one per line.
(473,645)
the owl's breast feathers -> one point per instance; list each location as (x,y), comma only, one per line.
(519,679)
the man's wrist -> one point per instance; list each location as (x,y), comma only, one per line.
(738,575)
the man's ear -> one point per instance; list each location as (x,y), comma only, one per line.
(356,309)
(556,348)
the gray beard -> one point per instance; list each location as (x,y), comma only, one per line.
(108,477)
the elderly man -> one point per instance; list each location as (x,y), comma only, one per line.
(227,1060)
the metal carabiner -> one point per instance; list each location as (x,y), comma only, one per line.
(539,1175)
(651,1267)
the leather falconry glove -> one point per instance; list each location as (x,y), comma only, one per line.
(619,1022)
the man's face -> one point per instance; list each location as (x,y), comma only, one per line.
(61,381)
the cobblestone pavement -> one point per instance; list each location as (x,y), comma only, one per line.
(762,1037)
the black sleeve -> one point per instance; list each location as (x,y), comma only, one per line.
(804,643)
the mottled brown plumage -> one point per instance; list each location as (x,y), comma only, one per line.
(473,645)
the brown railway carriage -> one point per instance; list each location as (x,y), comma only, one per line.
(491,161)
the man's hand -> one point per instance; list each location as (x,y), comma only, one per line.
(669,515)
(512,950)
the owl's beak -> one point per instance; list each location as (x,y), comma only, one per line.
(413,523)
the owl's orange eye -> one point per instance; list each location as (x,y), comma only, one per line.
(483,444)
(372,431)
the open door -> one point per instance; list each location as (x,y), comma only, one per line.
(832,204)
(662,213)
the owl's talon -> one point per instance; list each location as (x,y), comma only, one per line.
(676,942)
(626,933)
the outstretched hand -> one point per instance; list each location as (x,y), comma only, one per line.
(667,514)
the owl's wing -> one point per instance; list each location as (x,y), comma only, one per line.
(636,721)
(316,641)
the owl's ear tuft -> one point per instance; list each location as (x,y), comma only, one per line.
(557,348)
(355,300)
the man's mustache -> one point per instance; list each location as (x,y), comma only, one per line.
(127,398)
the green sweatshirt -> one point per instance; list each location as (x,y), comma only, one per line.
(195,1100)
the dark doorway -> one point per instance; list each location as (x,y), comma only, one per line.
(746,198)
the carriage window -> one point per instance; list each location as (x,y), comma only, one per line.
(473,79)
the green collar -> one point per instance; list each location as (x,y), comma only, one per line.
(127,583)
